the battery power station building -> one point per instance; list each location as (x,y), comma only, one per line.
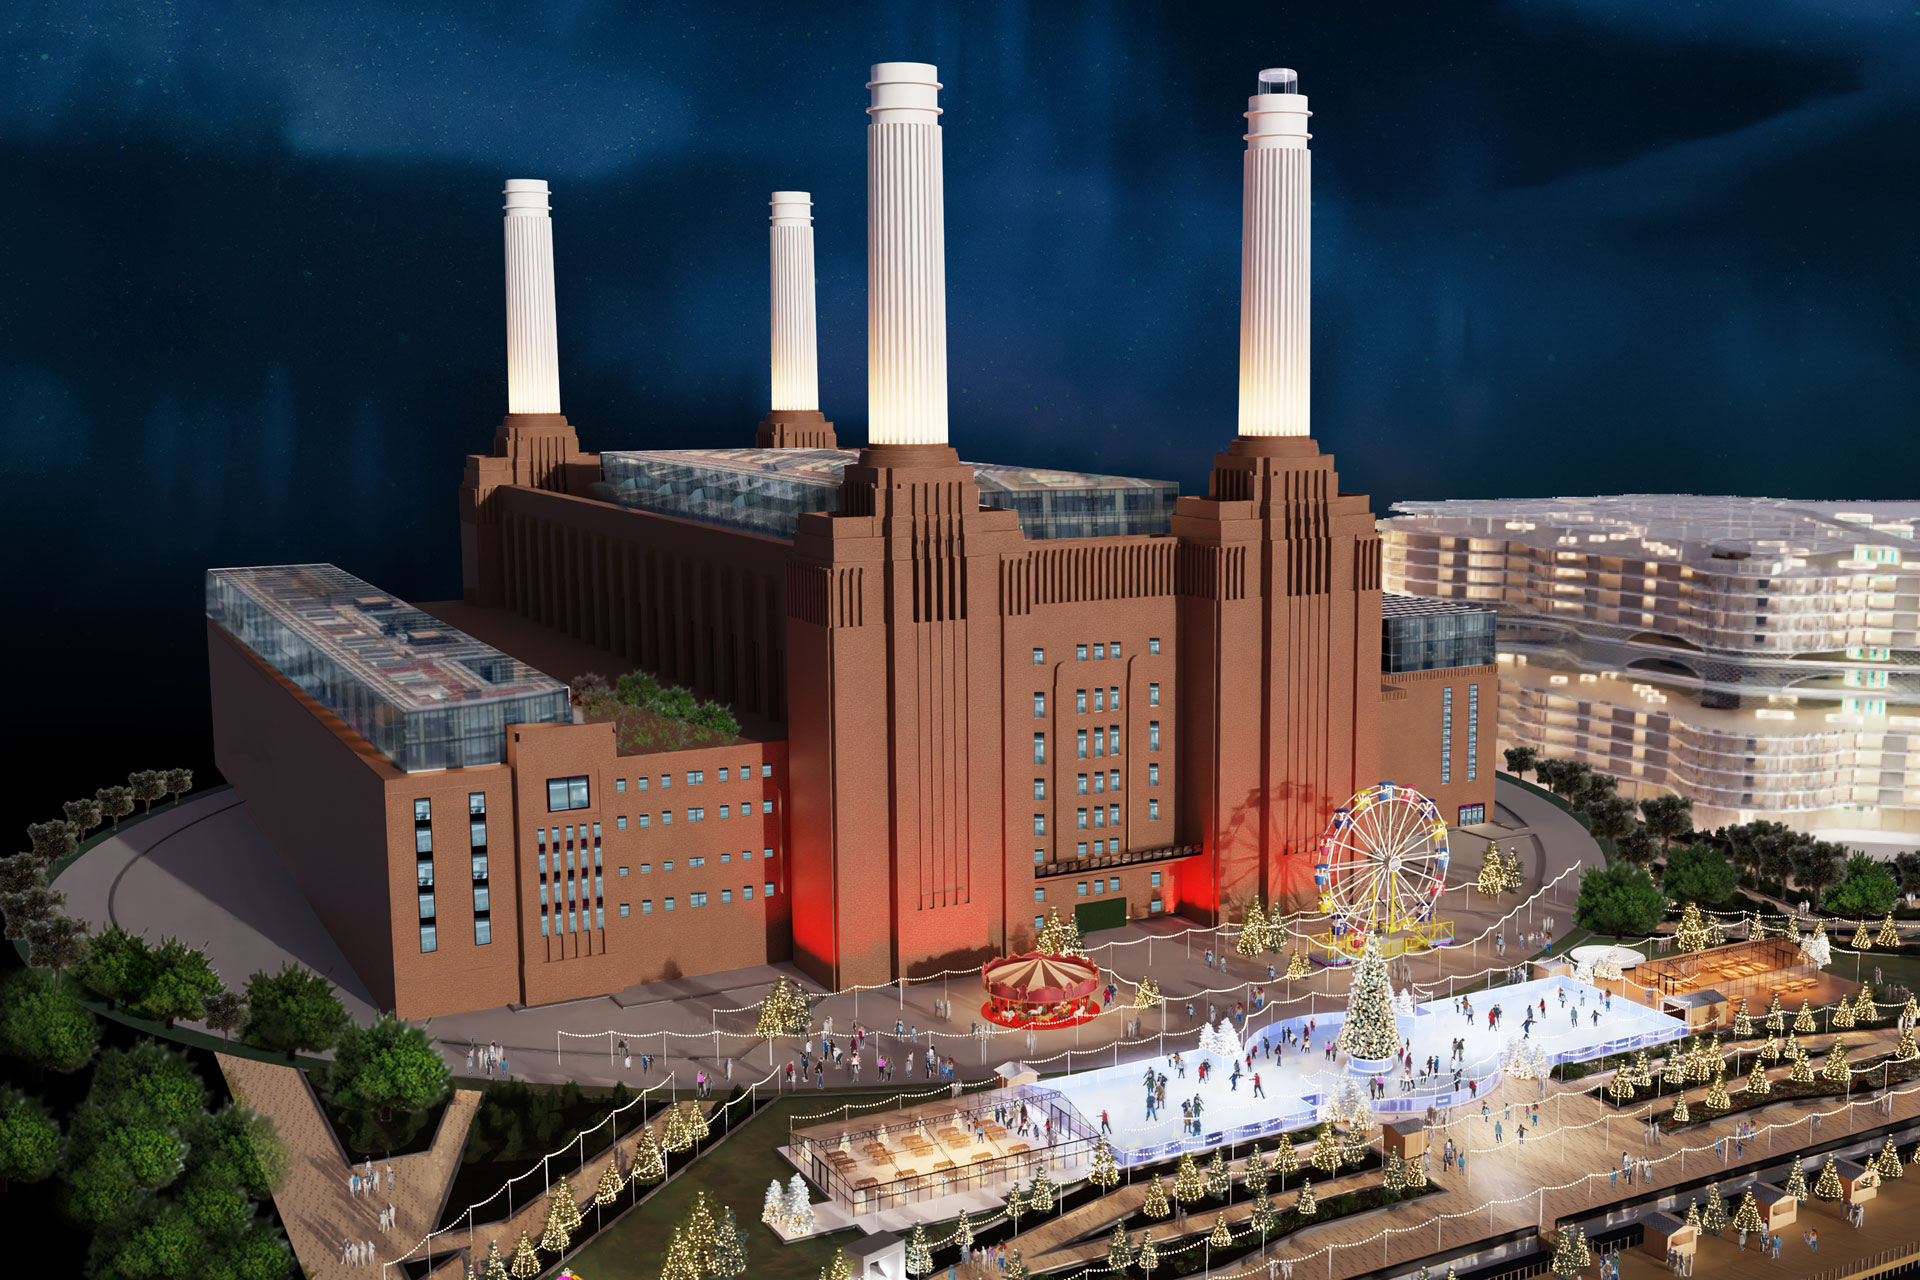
(970,692)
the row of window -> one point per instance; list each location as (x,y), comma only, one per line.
(746,855)
(697,813)
(576,793)
(423,870)
(1098,651)
(1111,846)
(698,899)
(1473,731)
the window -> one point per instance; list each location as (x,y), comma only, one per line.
(667,865)
(1082,744)
(769,888)
(1039,824)
(696,862)
(479,866)
(1099,817)
(543,861)
(1153,644)
(1113,780)
(640,784)
(1154,905)
(423,839)
(482,931)
(1446,735)
(1039,657)
(1113,846)
(666,780)
(423,871)
(1113,885)
(766,806)
(1080,700)
(429,938)
(479,898)
(746,893)
(766,771)
(1153,735)
(623,871)
(1153,775)
(620,785)
(646,906)
(624,912)
(1113,815)
(1099,651)
(646,820)
(476,804)
(1039,706)
(669,904)
(620,823)
(1039,857)
(723,811)
(1080,784)
(1080,819)
(1472,813)
(1113,736)
(1099,743)
(1153,809)
(1039,895)
(696,776)
(723,773)
(1096,885)
(726,857)
(746,855)
(567,793)
(1153,694)
(1080,889)
(1153,879)
(1037,922)
(423,811)
(726,895)
(1473,731)
(1080,652)
(1099,699)
(477,833)
(1113,697)
(697,814)
(1039,788)
(1081,852)
(766,853)
(1099,783)
(666,817)
(1039,748)
(1114,647)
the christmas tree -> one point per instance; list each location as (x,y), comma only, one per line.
(610,1183)
(963,1231)
(773,1212)
(1187,1185)
(919,1257)
(1580,1249)
(1716,936)
(1298,967)
(1802,1072)
(1888,935)
(1906,1050)
(1691,935)
(496,1266)
(1395,1178)
(1747,1216)
(1776,1017)
(1675,1072)
(1715,1218)
(1220,1237)
(1493,873)
(1355,1152)
(1511,877)
(562,1195)
(1417,1173)
(776,1013)
(1219,1179)
(1803,1023)
(1770,1050)
(799,1208)
(1888,1161)
(1253,931)
(1155,1205)
(1369,1032)
(1680,1113)
(1796,1184)
(1620,1088)
(1264,1217)
(1843,1015)
(1326,1152)
(1836,1070)
(1861,942)
(1693,1215)
(1149,1257)
(649,1165)
(729,1254)
(1016,1268)
(841,1268)
(1305,1205)
(1147,994)
(555,1236)
(702,1234)
(1119,1249)
(1758,1086)
(1105,1173)
(1717,1099)
(1040,1198)
(675,1134)
(1284,1160)
(1565,1263)
(1827,1187)
(1016,1205)
(1816,947)
(1254,1173)
(526,1260)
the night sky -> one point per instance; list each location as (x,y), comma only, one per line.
(252,301)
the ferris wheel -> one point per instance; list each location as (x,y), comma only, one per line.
(1382,867)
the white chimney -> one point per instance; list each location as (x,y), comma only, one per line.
(906,259)
(796,376)
(1275,256)
(533,357)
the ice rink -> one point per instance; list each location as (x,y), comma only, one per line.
(1298,1080)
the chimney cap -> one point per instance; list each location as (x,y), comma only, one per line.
(1279,80)
(905,93)
(526,197)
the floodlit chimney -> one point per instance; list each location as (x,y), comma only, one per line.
(533,358)
(796,375)
(906,259)
(1275,256)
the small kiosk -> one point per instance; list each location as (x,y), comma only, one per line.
(1408,1137)
(1860,1182)
(1668,1235)
(1778,1210)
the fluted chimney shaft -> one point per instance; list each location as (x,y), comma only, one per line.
(906,259)
(533,357)
(1275,259)
(796,376)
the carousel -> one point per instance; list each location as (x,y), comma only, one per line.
(1038,990)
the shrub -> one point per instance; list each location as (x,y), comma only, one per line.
(292,1010)
(43,1022)
(1698,873)
(1620,901)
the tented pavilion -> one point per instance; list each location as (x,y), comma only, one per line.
(1755,971)
(1040,990)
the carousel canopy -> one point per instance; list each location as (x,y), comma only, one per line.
(1038,978)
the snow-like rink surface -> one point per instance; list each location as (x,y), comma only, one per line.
(1297,1081)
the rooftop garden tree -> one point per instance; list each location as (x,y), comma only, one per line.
(179,982)
(176,783)
(57,943)
(390,1064)
(52,841)
(1866,888)
(83,814)
(1619,901)
(115,803)
(291,1011)
(1668,818)
(147,785)
(1520,760)
(226,1012)
(1697,873)
(42,1022)
(29,1139)
(118,967)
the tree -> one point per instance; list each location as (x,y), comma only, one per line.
(292,1010)
(1221,1236)
(799,1206)
(1253,938)
(1326,1152)
(1697,873)
(390,1064)
(555,1234)
(1263,1218)
(1492,879)
(1668,818)
(1306,1206)
(1836,1069)
(1520,760)
(1888,1161)
(177,782)
(29,1139)
(1608,819)
(1637,846)
(147,786)
(1906,868)
(1369,1032)
(25,909)
(83,815)
(1827,1187)
(1817,864)
(1889,935)
(1120,1251)
(1284,1160)
(1796,1184)
(1149,1256)
(1040,1197)
(20,872)
(1620,901)
(919,1257)
(1691,933)
(181,980)
(117,968)
(56,943)
(115,803)
(1866,888)
(1105,1172)
(53,841)
(841,1268)
(649,1163)
(1016,1205)
(1155,1204)
(1595,789)
(42,1022)
(226,1011)
(1188,1186)
(526,1259)
(1253,1174)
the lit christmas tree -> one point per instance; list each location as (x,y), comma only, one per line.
(1742,1020)
(1355,1152)
(1565,1264)
(649,1165)
(1675,1072)
(841,1268)
(799,1208)
(702,1233)
(1298,967)
(1758,1086)
(1395,1178)
(1680,1113)
(610,1183)
(729,1254)
(1147,994)
(1155,1205)
(1770,1050)
(1715,1218)
(1836,1070)
(1776,1017)
(773,1212)
(1253,1174)
(1120,1250)
(1493,873)
(1369,1032)
(1817,947)
(1699,1063)
(1284,1160)
(1796,1184)
(1620,1088)
(1220,1237)
(1016,1267)
(1691,935)
(1149,1257)
(1326,1152)
(1040,1197)
(1842,1015)
(1793,1045)
(1693,1215)
(1642,1073)
(1803,1022)
(1253,931)
(1827,1186)
(1906,1050)
(1911,1013)
(526,1259)
(1888,935)
(1717,1099)
(1219,1178)
(1888,1161)
(496,1266)
(963,1231)
(555,1236)
(1747,1216)
(1306,1206)
(1263,1218)
(777,1012)
(1861,942)
(675,1134)
(1187,1184)
(1016,1205)
(919,1257)
(1716,936)
(1051,934)
(1105,1173)
(1802,1072)
(1417,1174)
(1511,876)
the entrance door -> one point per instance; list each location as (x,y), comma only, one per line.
(1107,913)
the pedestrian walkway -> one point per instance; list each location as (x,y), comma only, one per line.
(315,1204)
